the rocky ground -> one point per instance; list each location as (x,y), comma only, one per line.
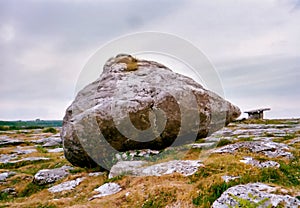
(246,164)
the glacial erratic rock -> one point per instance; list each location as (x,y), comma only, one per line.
(139,104)
(256,193)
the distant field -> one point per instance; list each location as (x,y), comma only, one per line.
(34,124)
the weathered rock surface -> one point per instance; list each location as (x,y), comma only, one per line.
(106,190)
(140,168)
(132,154)
(49,141)
(24,150)
(270,149)
(47,176)
(56,150)
(139,104)
(6,141)
(255,192)
(30,159)
(66,186)
(5,175)
(256,163)
(257,132)
(5,158)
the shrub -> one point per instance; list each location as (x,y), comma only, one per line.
(50,130)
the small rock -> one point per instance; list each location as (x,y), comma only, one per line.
(5,175)
(47,176)
(5,158)
(131,154)
(227,178)
(65,186)
(24,150)
(56,150)
(294,141)
(95,174)
(106,190)
(32,159)
(206,145)
(51,144)
(256,163)
(139,168)
(255,192)
(48,140)
(10,191)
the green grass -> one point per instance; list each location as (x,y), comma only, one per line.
(50,130)
(224,142)
(159,200)
(116,178)
(30,189)
(209,196)
(34,124)
(41,149)
(244,203)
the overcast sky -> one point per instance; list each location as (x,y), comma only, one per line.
(253,44)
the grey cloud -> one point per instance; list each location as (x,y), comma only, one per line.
(253,45)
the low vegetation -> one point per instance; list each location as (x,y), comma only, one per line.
(198,190)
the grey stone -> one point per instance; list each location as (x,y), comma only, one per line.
(142,168)
(5,158)
(10,191)
(132,154)
(270,149)
(256,163)
(294,141)
(47,176)
(5,175)
(31,159)
(49,140)
(259,192)
(106,190)
(7,141)
(227,178)
(56,150)
(51,144)
(206,145)
(159,102)
(95,174)
(66,186)
(24,150)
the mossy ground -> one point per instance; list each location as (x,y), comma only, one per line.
(198,190)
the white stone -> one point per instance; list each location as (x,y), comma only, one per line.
(106,190)
(140,168)
(65,186)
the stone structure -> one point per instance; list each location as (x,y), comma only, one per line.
(257,114)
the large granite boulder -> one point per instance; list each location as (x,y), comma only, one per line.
(139,104)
